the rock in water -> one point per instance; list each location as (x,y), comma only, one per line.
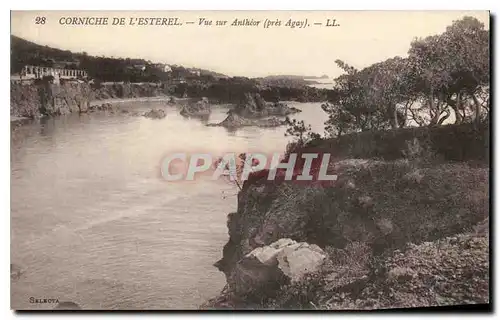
(171,101)
(201,108)
(103,107)
(255,111)
(254,106)
(234,121)
(155,114)
(261,272)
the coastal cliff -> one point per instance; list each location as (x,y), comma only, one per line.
(35,100)
(407,232)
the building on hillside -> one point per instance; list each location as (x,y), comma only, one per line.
(167,68)
(178,81)
(140,67)
(194,72)
(162,67)
(36,72)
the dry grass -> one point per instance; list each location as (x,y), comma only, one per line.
(450,271)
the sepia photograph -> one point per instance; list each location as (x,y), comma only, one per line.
(250,160)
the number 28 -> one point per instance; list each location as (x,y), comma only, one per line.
(40,20)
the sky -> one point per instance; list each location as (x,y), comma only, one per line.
(362,38)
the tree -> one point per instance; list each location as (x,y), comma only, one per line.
(300,131)
(367,99)
(451,68)
(339,122)
(444,75)
(388,86)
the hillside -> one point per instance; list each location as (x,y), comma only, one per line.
(289,80)
(25,52)
(180,81)
(294,77)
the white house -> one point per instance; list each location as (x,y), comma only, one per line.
(195,72)
(167,68)
(162,67)
(141,67)
(37,72)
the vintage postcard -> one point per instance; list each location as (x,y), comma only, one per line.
(285,160)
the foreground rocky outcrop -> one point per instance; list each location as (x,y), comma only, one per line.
(199,109)
(363,205)
(446,272)
(264,269)
(390,229)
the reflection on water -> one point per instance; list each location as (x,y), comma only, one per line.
(92,221)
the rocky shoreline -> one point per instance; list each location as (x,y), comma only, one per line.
(110,106)
(35,101)
(45,99)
